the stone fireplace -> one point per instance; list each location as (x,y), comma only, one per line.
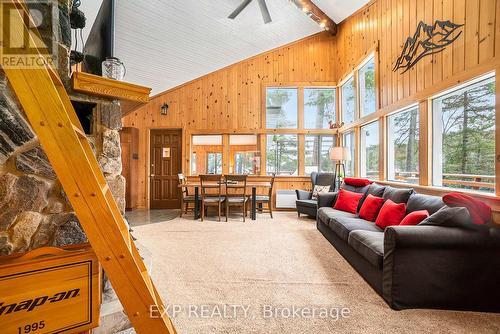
(34,209)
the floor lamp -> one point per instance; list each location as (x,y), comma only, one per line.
(339,154)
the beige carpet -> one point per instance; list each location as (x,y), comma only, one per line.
(284,262)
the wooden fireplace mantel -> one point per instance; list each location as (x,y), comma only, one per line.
(131,95)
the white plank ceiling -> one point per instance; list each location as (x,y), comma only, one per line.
(165,43)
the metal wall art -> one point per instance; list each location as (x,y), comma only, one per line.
(427,40)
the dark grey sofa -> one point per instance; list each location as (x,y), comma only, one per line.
(416,266)
(304,203)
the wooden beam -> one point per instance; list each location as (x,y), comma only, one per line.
(317,15)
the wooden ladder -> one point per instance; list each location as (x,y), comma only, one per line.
(52,117)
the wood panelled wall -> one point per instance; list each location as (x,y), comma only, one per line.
(230,100)
(387,24)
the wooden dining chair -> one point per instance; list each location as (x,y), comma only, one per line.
(211,193)
(186,199)
(236,193)
(266,199)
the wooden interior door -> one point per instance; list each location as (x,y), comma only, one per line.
(166,160)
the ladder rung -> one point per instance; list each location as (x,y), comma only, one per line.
(79,132)
(54,76)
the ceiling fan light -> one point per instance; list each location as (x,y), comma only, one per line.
(322,24)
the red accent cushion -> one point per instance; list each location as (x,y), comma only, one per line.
(479,212)
(370,208)
(347,201)
(415,217)
(390,214)
(355,182)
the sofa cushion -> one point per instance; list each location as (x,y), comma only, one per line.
(310,203)
(342,226)
(370,208)
(370,245)
(454,217)
(415,217)
(418,202)
(354,189)
(357,182)
(397,195)
(373,189)
(479,211)
(390,214)
(325,214)
(347,201)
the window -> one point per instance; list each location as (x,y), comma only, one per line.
(348,91)
(244,154)
(369,162)
(402,146)
(281,154)
(316,154)
(367,93)
(464,137)
(206,154)
(349,143)
(281,108)
(214,163)
(319,107)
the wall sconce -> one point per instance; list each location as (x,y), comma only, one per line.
(164,109)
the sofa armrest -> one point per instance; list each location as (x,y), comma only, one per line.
(440,267)
(326,199)
(302,194)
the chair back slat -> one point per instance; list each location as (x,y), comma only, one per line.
(273,176)
(182,180)
(236,185)
(211,182)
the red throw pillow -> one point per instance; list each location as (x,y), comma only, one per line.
(355,182)
(390,214)
(415,217)
(347,201)
(479,212)
(370,208)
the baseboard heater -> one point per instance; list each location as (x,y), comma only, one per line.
(285,199)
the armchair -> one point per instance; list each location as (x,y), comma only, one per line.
(305,203)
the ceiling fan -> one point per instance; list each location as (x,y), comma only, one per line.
(263,9)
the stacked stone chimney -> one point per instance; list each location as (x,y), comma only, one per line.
(34,210)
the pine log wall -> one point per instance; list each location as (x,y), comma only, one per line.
(230,100)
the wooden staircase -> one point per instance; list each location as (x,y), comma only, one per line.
(52,117)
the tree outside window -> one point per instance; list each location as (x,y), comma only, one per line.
(349,101)
(281,154)
(464,137)
(367,92)
(319,107)
(370,151)
(281,108)
(403,132)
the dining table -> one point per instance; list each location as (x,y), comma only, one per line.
(250,184)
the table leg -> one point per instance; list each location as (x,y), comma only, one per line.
(196,204)
(254,203)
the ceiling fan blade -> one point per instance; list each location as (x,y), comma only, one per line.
(238,10)
(265,12)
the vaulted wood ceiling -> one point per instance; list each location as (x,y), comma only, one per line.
(166,43)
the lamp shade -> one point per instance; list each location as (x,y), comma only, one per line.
(340,153)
